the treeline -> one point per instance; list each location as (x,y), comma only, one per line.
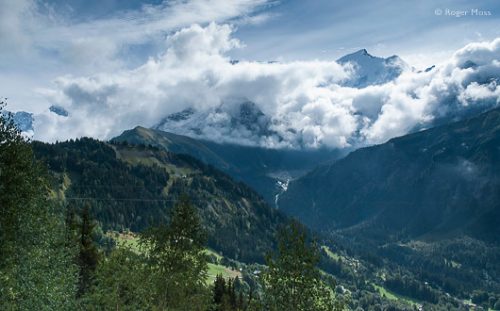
(51,259)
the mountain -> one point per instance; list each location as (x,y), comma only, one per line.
(133,187)
(438,183)
(372,70)
(268,171)
(236,122)
(23,120)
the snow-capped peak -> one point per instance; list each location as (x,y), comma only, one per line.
(242,123)
(372,70)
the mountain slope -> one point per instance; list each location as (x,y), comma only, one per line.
(265,170)
(435,183)
(134,186)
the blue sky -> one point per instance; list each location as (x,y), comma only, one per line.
(298,29)
(325,29)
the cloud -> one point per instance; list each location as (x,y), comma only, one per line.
(41,31)
(43,40)
(305,101)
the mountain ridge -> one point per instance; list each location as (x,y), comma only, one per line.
(429,183)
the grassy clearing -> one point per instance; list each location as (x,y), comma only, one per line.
(226,272)
(126,239)
(393,296)
(331,254)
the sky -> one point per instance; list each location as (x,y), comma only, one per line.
(150,58)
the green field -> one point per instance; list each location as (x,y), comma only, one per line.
(331,254)
(226,272)
(393,296)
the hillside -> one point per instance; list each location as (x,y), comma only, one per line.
(132,187)
(442,182)
(265,170)
(421,208)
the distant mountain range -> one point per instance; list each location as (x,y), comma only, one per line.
(441,182)
(241,122)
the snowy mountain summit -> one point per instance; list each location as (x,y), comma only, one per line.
(372,70)
(241,123)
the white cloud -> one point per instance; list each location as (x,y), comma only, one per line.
(306,104)
(40,41)
(37,35)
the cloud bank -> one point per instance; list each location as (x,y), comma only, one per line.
(305,101)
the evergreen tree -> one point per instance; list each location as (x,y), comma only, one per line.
(225,295)
(219,290)
(36,272)
(178,260)
(88,256)
(292,281)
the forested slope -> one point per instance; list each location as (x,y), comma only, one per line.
(133,187)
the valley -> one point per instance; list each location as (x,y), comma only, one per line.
(249,155)
(371,266)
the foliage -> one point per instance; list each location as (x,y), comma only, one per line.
(228,295)
(406,286)
(36,270)
(178,261)
(133,187)
(122,282)
(292,280)
(88,255)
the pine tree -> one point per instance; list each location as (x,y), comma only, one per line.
(227,295)
(292,281)
(219,290)
(178,260)
(88,255)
